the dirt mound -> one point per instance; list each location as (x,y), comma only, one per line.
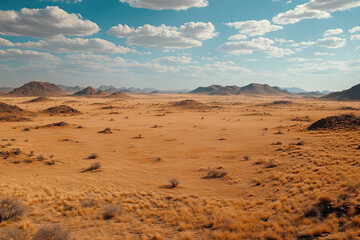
(36,89)
(190,104)
(119,95)
(6,108)
(62,109)
(39,99)
(336,122)
(14,118)
(90,91)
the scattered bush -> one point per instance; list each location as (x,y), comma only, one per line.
(94,166)
(52,232)
(110,211)
(13,234)
(50,162)
(93,156)
(246,158)
(40,158)
(10,208)
(174,182)
(216,174)
(106,131)
(90,202)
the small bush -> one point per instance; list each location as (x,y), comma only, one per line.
(90,202)
(10,208)
(110,211)
(40,158)
(13,234)
(174,182)
(106,131)
(50,162)
(94,166)
(246,158)
(52,232)
(93,156)
(216,174)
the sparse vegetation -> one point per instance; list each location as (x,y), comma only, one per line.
(93,167)
(110,211)
(52,232)
(10,208)
(215,173)
(93,156)
(174,182)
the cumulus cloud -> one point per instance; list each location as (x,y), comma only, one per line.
(66,1)
(172,60)
(17,54)
(330,42)
(166,4)
(257,44)
(355,37)
(237,37)
(166,37)
(254,28)
(44,23)
(331,32)
(314,9)
(354,30)
(68,45)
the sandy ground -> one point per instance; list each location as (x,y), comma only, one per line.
(276,169)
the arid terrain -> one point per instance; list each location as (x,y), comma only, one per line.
(158,167)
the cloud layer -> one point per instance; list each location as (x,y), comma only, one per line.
(314,9)
(44,23)
(166,37)
(166,4)
(254,28)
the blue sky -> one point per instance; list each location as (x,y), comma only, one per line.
(181,44)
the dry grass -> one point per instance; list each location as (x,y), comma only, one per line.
(10,208)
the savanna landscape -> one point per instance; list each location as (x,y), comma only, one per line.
(186,166)
(179,120)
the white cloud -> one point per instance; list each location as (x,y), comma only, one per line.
(254,28)
(354,29)
(257,44)
(68,45)
(331,32)
(172,59)
(282,40)
(17,54)
(324,54)
(66,1)
(166,4)
(330,42)
(314,9)
(44,23)
(237,37)
(166,37)
(355,37)
(5,42)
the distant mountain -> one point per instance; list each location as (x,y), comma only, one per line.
(352,94)
(209,89)
(294,90)
(90,91)
(108,89)
(251,89)
(37,89)
(6,89)
(69,89)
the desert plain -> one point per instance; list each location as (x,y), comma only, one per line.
(216,167)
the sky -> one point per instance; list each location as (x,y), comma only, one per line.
(181,44)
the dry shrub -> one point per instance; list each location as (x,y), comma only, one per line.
(52,232)
(90,202)
(10,208)
(93,156)
(94,166)
(174,182)
(110,211)
(13,234)
(216,174)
